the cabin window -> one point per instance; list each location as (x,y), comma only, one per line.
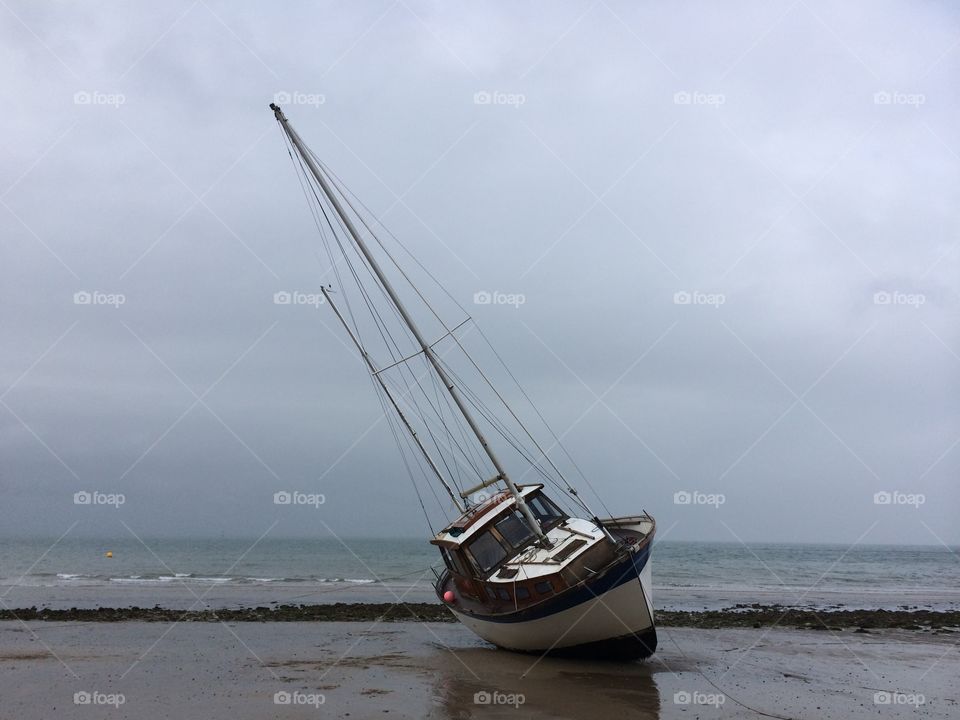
(452,561)
(544,587)
(515,530)
(544,510)
(491,592)
(503,593)
(487,552)
(522,593)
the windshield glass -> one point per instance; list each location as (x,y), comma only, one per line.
(487,551)
(544,510)
(515,530)
(452,561)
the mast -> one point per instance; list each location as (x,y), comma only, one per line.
(415,331)
(396,406)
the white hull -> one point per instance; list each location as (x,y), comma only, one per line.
(623,611)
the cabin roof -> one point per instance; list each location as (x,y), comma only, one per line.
(478,517)
(567,543)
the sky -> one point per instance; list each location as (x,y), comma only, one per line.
(719,243)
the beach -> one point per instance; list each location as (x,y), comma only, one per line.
(307,630)
(241,670)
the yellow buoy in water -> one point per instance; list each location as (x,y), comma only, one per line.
(109,553)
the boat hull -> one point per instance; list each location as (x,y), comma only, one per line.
(610,616)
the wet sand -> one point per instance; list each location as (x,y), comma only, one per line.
(439,670)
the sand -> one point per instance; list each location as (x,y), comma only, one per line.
(439,670)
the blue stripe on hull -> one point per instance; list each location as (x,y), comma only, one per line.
(629,568)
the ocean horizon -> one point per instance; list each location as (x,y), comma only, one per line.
(232,572)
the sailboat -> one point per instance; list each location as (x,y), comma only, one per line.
(519,570)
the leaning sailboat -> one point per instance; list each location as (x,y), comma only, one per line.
(518,570)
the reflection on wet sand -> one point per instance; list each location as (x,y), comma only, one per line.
(486,682)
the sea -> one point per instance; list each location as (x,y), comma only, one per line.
(233,573)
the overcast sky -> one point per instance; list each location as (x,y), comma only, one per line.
(733,226)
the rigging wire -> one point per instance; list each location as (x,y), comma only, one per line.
(437,410)
(391,421)
(440,410)
(384,332)
(393,345)
(456,444)
(387,414)
(517,445)
(347,194)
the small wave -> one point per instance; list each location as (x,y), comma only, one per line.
(167,579)
(191,578)
(68,576)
